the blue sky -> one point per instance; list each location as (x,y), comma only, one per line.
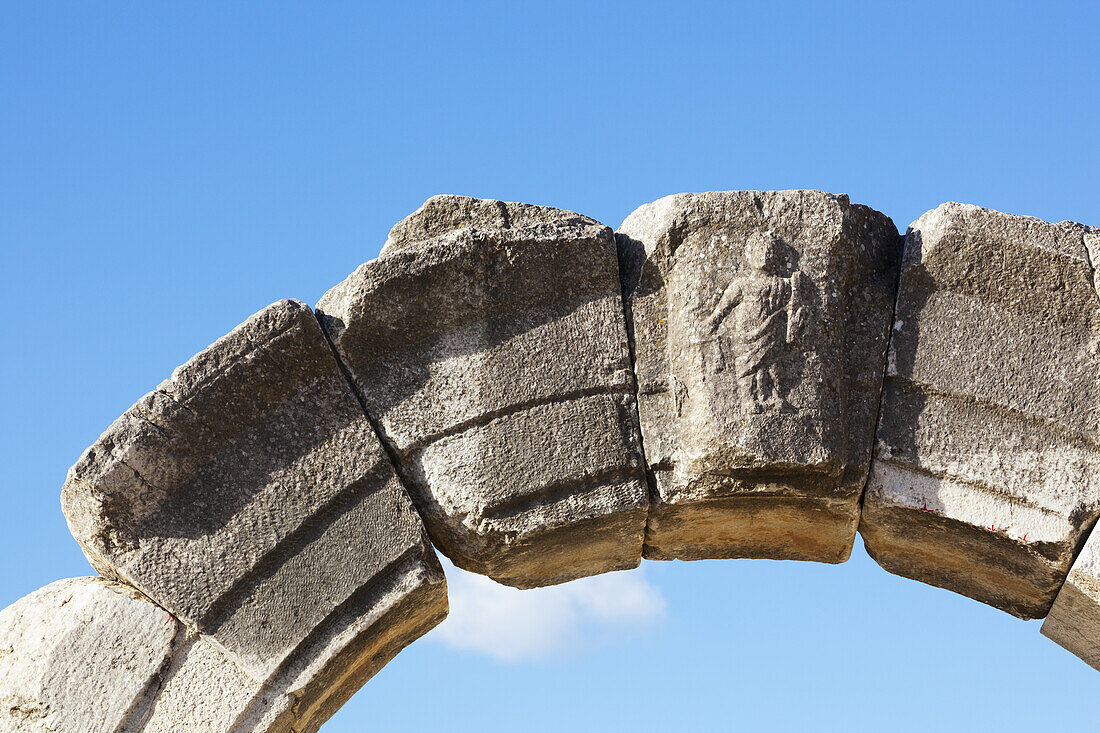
(168,169)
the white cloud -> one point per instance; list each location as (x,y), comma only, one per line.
(513,625)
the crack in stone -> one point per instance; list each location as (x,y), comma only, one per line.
(557,491)
(23,708)
(626,291)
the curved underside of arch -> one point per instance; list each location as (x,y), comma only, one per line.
(741,374)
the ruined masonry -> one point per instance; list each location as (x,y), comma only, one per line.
(986,475)
(1074,619)
(760,322)
(488,344)
(250,498)
(741,374)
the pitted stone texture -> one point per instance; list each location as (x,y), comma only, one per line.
(201,691)
(986,469)
(80,655)
(250,496)
(1074,619)
(488,345)
(448,215)
(89,654)
(760,324)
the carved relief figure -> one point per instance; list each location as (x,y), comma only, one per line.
(760,314)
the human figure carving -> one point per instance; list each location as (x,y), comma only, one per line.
(760,314)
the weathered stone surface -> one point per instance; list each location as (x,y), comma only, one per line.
(986,469)
(488,345)
(89,654)
(760,322)
(201,691)
(250,496)
(1074,619)
(80,655)
(447,214)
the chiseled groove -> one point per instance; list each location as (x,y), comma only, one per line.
(979,486)
(1053,424)
(295,541)
(487,417)
(552,492)
(385,579)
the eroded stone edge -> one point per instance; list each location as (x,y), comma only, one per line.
(626,252)
(632,256)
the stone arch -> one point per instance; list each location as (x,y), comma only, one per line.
(542,399)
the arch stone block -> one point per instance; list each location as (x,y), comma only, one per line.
(986,472)
(488,345)
(249,496)
(80,654)
(1074,619)
(760,323)
(93,655)
(262,558)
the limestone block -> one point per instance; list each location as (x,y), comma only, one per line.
(201,691)
(986,470)
(488,345)
(249,495)
(80,655)
(89,654)
(760,324)
(1074,619)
